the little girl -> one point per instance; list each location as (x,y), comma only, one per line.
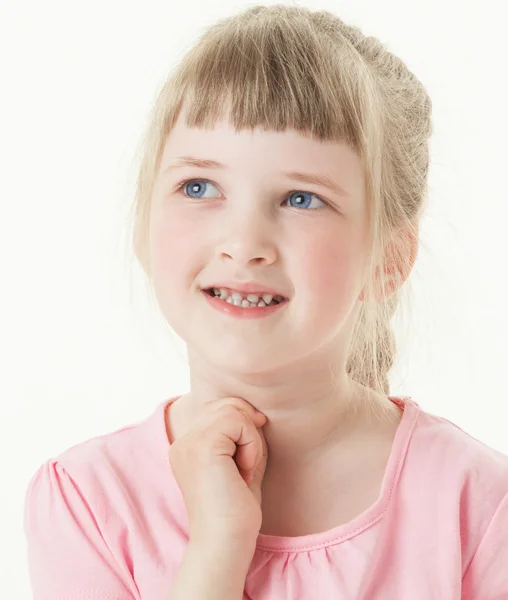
(277,212)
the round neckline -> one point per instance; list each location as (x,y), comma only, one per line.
(340,533)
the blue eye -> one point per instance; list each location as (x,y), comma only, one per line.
(197,186)
(300,195)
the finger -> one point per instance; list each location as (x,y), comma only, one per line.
(238,436)
(250,453)
(241,404)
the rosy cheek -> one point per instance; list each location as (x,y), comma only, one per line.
(319,264)
(172,236)
(329,266)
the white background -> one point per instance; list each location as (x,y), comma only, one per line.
(83,350)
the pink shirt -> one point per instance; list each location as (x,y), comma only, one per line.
(105,520)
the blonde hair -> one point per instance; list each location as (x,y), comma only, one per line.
(278,67)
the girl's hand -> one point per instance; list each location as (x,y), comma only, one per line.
(219,464)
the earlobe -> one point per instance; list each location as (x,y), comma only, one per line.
(384,287)
(397,269)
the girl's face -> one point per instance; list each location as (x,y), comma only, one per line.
(248,221)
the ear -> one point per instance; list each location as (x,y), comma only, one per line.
(396,269)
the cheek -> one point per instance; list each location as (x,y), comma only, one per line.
(172,244)
(331,266)
(174,266)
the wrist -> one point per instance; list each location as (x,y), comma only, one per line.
(213,539)
(215,571)
(222,566)
(237,548)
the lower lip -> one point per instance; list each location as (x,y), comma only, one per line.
(240,311)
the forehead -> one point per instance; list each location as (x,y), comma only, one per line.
(263,152)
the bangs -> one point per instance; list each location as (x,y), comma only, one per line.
(274,77)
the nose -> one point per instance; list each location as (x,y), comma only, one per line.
(248,243)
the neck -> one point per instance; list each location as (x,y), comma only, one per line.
(306,415)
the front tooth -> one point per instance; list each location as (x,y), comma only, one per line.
(237,298)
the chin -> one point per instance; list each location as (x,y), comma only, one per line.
(243,366)
(239,362)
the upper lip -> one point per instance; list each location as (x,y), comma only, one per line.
(246,288)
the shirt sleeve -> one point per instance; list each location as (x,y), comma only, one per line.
(68,557)
(487,575)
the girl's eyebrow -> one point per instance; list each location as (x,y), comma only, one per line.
(315,178)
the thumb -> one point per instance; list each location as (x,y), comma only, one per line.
(257,480)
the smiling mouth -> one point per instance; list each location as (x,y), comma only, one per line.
(245,300)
